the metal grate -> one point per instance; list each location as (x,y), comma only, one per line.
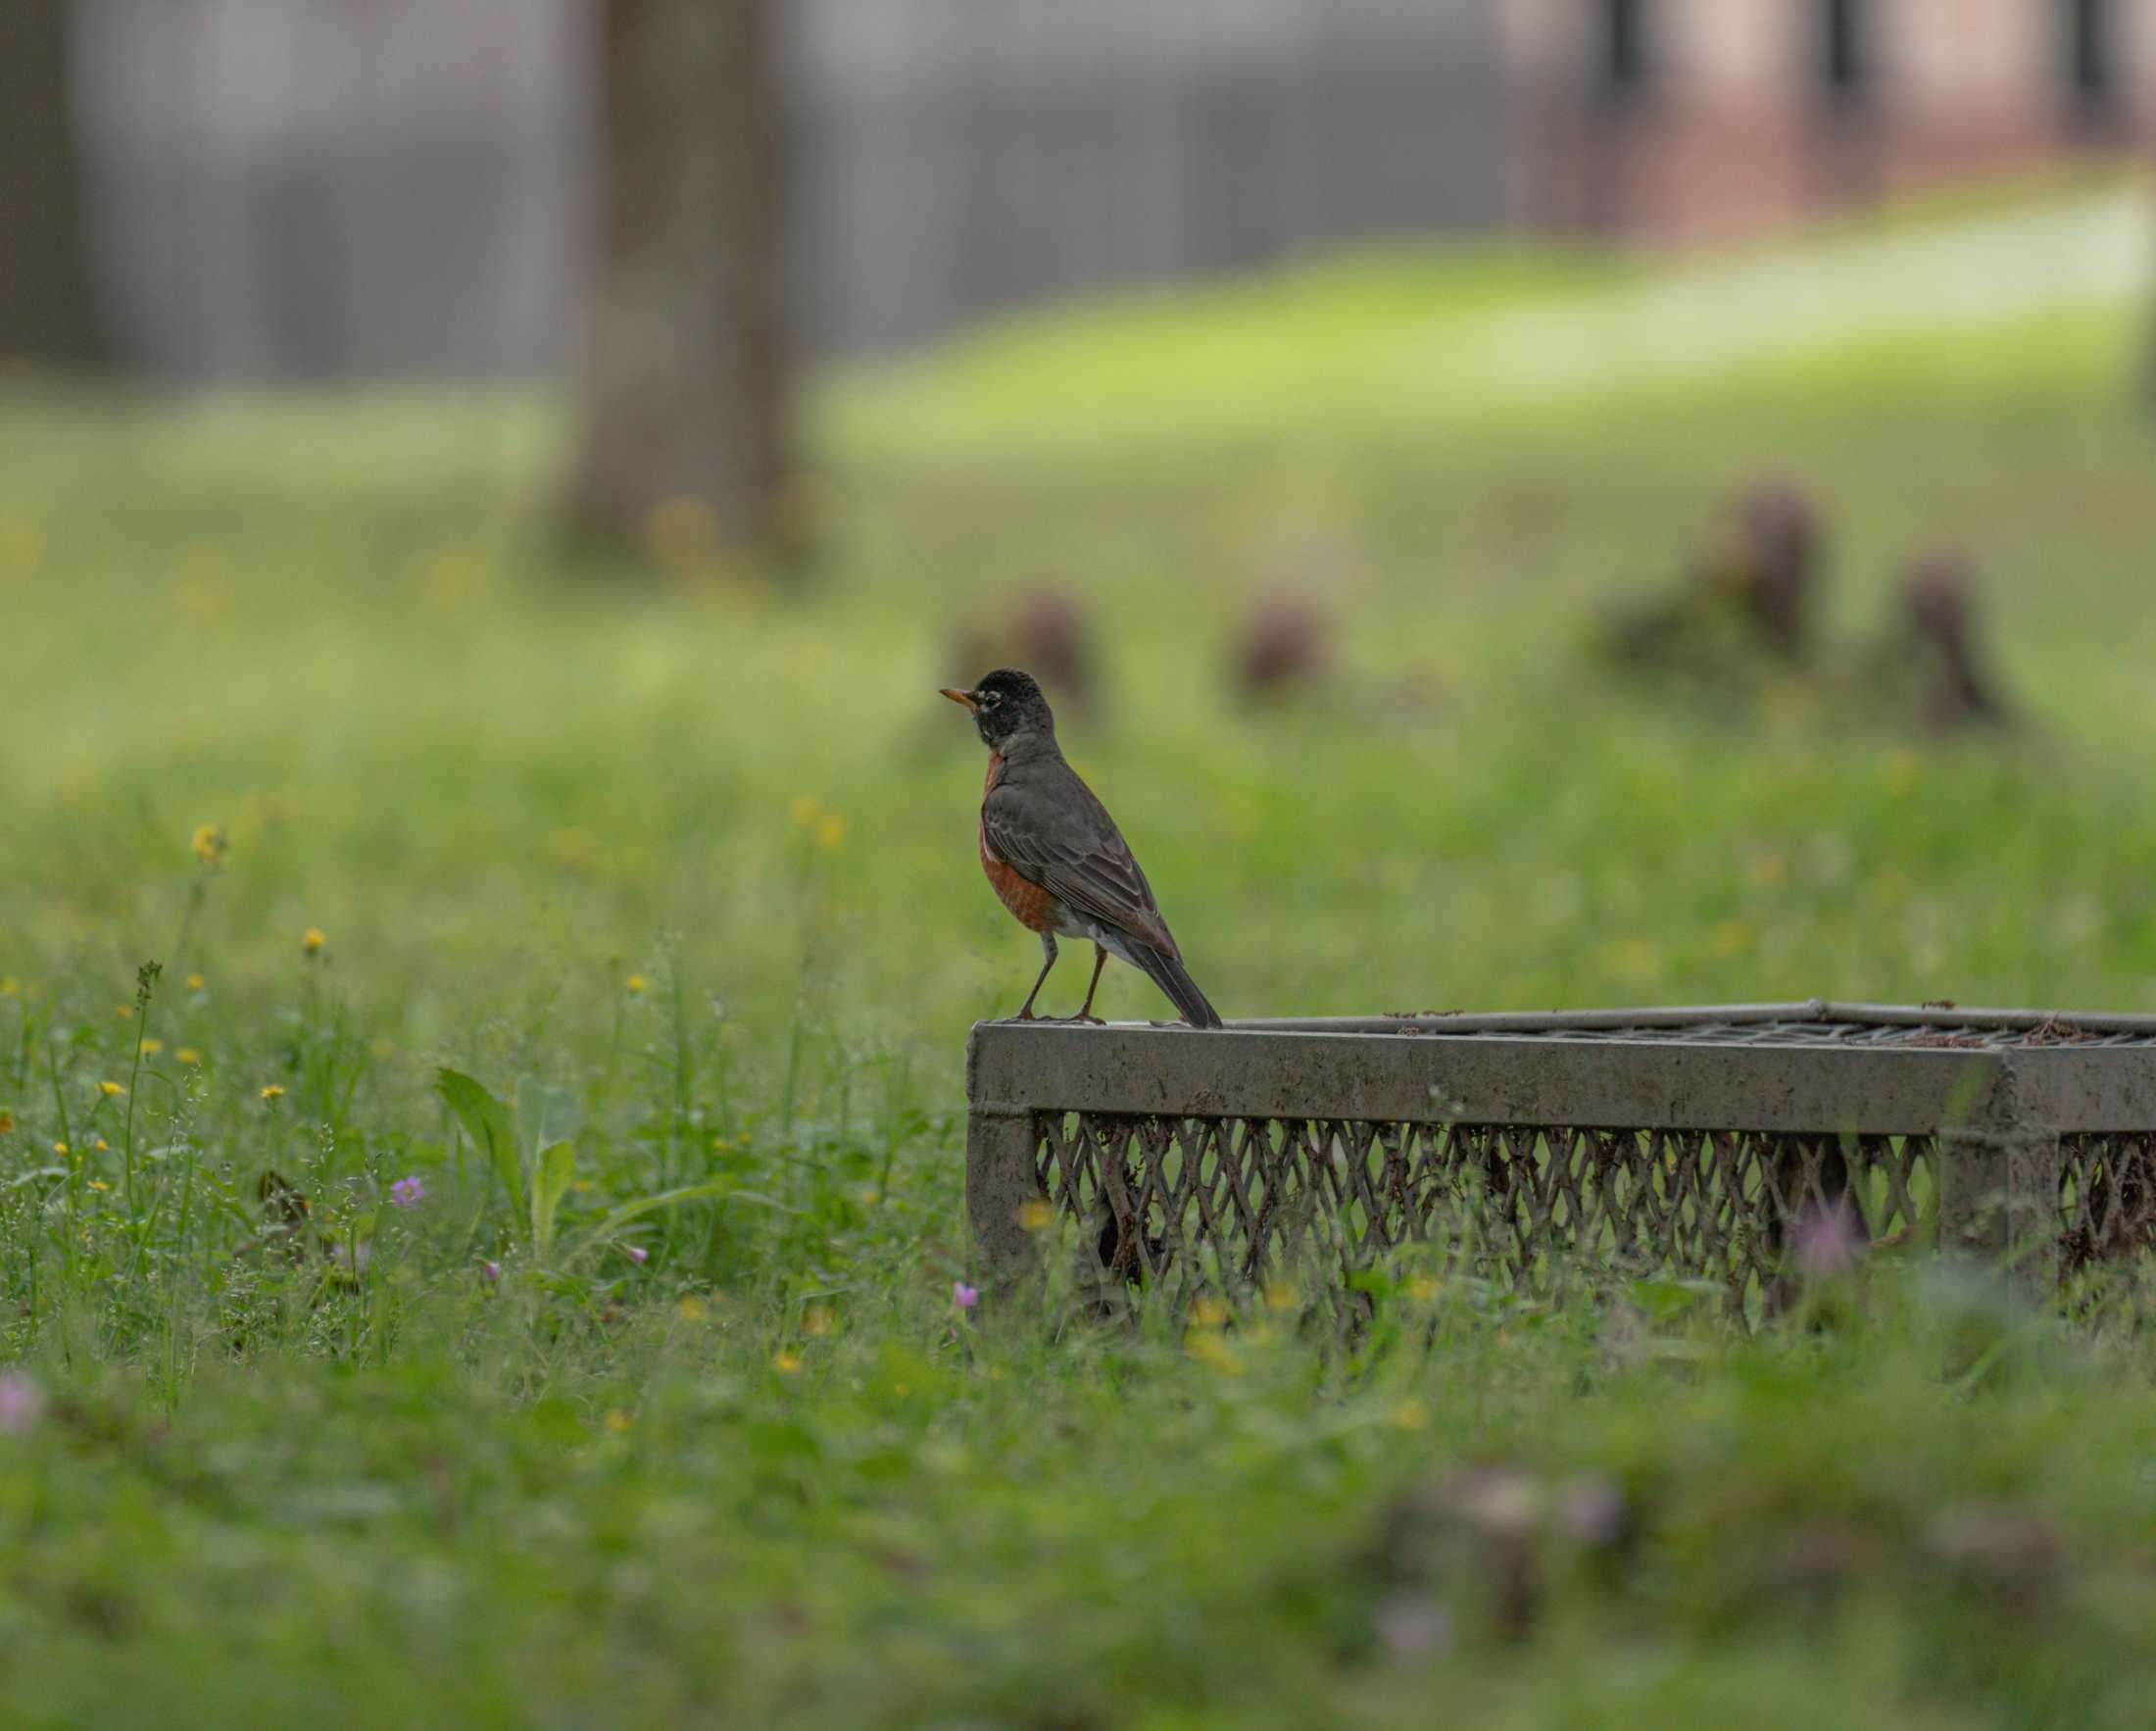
(1687,1142)
(1814,1023)
(1238,1202)
(2107,1199)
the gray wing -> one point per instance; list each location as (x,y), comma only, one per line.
(1050,828)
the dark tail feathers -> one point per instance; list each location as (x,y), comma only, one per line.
(1173,978)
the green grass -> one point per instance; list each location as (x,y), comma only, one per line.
(686,869)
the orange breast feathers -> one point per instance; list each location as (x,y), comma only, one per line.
(1031,905)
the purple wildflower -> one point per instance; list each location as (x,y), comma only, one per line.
(1828,1241)
(409,1191)
(21,1403)
(636,1254)
(963,1296)
(492,1270)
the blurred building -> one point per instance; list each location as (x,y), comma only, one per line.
(1684,120)
(308,188)
(372,188)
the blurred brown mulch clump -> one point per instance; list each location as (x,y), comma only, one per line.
(1284,651)
(1745,615)
(1955,688)
(1043,629)
(1281,647)
(1748,595)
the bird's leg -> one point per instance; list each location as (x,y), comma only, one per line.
(1099,960)
(1047,949)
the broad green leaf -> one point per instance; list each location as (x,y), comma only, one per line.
(486,1121)
(548,1183)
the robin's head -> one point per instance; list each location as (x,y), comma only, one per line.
(1007,705)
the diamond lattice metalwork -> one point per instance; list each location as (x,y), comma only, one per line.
(1240,1201)
(1525,1148)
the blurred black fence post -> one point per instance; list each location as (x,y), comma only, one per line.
(687,376)
(46,312)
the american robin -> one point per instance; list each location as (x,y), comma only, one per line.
(1054,857)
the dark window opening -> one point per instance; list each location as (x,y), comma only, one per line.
(2088,48)
(1845,67)
(1626,25)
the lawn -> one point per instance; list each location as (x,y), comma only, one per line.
(682,871)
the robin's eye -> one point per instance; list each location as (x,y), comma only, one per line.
(990,699)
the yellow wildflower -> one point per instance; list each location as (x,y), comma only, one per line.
(125,1012)
(99,1184)
(830,831)
(102,1146)
(786,1363)
(1035,1215)
(195,982)
(311,941)
(9,986)
(210,844)
(1730,938)
(153,1047)
(690,1309)
(111,1090)
(1636,957)
(636,982)
(60,1148)
(618,1421)
(1209,1349)
(274,1091)
(188,1055)
(1208,1313)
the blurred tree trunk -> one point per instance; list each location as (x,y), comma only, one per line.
(47,313)
(686,378)
(2148,361)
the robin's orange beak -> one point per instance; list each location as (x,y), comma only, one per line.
(965,697)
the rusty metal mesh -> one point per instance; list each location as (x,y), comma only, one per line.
(1808,1026)
(1961,1035)
(1235,1202)
(1953,1035)
(2107,1199)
